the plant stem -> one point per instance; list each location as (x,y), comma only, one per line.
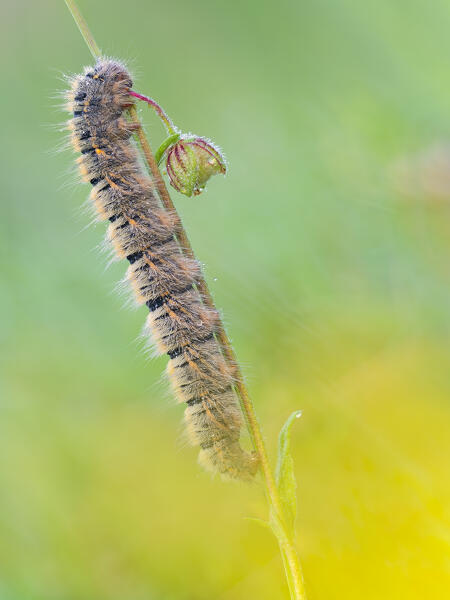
(171,129)
(83,27)
(285,541)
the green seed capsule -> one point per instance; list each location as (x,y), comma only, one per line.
(190,162)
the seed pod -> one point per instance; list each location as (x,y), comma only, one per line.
(191,162)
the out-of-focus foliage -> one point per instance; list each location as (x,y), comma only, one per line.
(327,246)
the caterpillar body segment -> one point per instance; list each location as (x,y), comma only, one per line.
(143,232)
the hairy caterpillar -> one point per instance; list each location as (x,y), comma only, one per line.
(164,279)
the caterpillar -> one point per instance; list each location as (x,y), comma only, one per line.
(143,232)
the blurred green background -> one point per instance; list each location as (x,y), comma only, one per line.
(327,247)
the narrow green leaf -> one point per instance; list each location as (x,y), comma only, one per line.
(285,478)
(164,146)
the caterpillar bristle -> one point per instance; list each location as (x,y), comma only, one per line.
(143,233)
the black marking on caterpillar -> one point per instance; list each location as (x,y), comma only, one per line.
(142,232)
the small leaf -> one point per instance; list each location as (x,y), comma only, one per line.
(172,139)
(285,478)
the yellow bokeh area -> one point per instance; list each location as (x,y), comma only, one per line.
(326,247)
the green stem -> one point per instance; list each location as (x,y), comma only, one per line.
(285,541)
(288,573)
(83,27)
